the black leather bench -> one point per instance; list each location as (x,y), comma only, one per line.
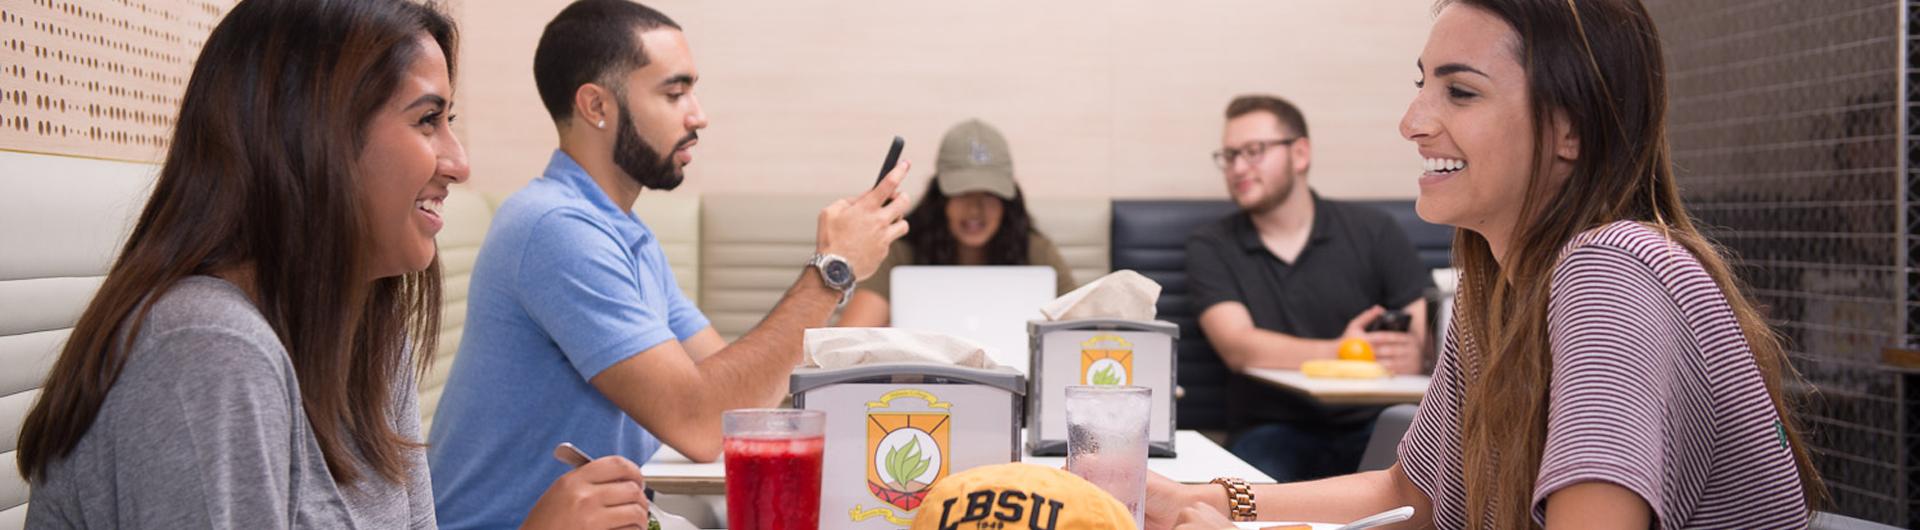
(1150,237)
(1433,242)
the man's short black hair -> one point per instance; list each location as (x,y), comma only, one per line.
(587,42)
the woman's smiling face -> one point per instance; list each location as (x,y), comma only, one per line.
(410,158)
(974,218)
(1472,122)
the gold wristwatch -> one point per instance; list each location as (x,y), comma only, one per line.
(1240,505)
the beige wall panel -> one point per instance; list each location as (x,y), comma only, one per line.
(1348,65)
(1098,98)
(27,357)
(40,210)
(97,79)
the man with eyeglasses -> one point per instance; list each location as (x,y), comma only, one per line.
(1288,277)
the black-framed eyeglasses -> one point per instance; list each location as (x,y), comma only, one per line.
(1224,158)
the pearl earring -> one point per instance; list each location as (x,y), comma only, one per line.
(601,125)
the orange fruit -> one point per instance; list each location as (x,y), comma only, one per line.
(1356,350)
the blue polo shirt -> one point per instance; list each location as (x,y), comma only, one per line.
(566,285)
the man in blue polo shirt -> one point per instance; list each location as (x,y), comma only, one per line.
(576,330)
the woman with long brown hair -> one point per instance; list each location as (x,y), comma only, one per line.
(1604,369)
(250,359)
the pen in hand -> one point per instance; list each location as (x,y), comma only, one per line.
(573,457)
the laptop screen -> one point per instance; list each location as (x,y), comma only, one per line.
(989,305)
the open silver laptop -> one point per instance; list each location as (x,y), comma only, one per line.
(989,305)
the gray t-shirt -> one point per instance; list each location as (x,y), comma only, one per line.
(204,429)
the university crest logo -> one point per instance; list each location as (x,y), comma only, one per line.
(907,450)
(1106,360)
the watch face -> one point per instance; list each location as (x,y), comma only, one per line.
(839,273)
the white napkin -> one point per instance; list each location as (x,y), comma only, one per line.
(1123,295)
(843,347)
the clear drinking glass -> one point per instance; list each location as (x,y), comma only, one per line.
(773,468)
(1107,441)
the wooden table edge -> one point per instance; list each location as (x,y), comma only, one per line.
(688,485)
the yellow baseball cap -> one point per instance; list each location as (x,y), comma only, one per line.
(974,157)
(1019,497)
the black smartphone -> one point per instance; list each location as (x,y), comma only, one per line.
(1392,320)
(893,158)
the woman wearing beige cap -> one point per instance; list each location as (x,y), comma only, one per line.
(972,214)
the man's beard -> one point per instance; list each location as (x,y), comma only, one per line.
(1275,196)
(646,165)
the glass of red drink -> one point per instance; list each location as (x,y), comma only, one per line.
(773,468)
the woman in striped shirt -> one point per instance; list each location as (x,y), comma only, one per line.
(1604,369)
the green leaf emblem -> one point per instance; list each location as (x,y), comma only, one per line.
(906,463)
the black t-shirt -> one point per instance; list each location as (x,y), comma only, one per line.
(1356,257)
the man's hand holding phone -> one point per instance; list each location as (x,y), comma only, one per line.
(859,229)
(893,158)
(1386,331)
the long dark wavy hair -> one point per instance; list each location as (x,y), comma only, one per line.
(260,176)
(933,242)
(1600,62)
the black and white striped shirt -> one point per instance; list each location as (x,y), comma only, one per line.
(1653,389)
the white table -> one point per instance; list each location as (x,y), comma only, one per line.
(1200,460)
(1384,391)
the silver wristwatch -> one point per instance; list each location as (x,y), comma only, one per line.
(836,273)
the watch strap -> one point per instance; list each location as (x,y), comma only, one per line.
(1240,505)
(819,263)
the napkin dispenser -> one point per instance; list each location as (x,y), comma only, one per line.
(1098,352)
(894,429)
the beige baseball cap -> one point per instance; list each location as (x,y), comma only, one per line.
(974,157)
(1019,496)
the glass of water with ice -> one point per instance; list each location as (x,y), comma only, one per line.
(1107,441)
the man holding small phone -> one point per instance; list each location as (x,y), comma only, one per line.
(576,329)
(1288,278)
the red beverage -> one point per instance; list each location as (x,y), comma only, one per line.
(773,483)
